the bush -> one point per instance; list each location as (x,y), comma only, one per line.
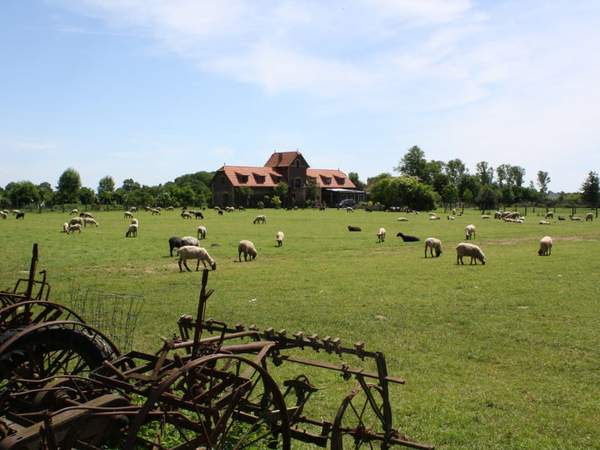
(260,204)
(276,202)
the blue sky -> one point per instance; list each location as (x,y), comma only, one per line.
(152,89)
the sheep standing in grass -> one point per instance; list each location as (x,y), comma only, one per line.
(381,235)
(201,232)
(349,209)
(89,221)
(186,215)
(20,215)
(83,215)
(470,232)
(76,220)
(576,218)
(434,217)
(433,244)
(260,219)
(127,215)
(176,242)
(132,231)
(73,228)
(65,227)
(545,246)
(198,253)
(136,222)
(465,249)
(248,249)
(451,217)
(74,211)
(3,214)
(589,217)
(550,215)
(279,238)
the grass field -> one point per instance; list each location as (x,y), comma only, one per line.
(501,356)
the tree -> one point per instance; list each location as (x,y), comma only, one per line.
(22,193)
(455,169)
(87,196)
(106,190)
(516,175)
(45,192)
(413,163)
(543,179)
(312,189)
(130,185)
(244,195)
(68,187)
(449,194)
(487,198)
(590,190)
(503,174)
(354,178)
(281,190)
(484,172)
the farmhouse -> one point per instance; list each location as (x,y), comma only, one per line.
(241,185)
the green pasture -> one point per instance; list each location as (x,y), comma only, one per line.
(501,356)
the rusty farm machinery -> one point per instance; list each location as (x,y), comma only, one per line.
(64,385)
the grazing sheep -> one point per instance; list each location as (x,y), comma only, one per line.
(65,227)
(322,208)
(576,218)
(433,244)
(89,221)
(550,215)
(381,235)
(451,218)
(132,231)
(73,228)
(545,246)
(407,238)
(136,222)
(453,212)
(76,220)
(402,219)
(279,238)
(83,215)
(349,209)
(155,211)
(186,215)
(434,217)
(133,209)
(220,212)
(229,209)
(470,232)
(544,222)
(465,249)
(127,215)
(589,217)
(176,242)
(169,208)
(562,218)
(260,219)
(498,215)
(486,216)
(20,215)
(201,232)
(248,249)
(75,211)
(351,228)
(3,214)
(198,215)
(198,253)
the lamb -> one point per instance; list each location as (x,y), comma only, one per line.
(127,215)
(73,228)
(3,214)
(351,228)
(279,238)
(544,222)
(433,244)
(76,220)
(177,242)
(589,217)
(198,253)
(20,215)
(407,238)
(260,219)
(132,231)
(465,249)
(470,232)
(201,232)
(381,235)
(248,249)
(89,221)
(545,246)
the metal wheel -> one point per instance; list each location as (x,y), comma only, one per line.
(33,312)
(219,401)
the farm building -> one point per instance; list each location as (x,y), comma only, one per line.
(242,185)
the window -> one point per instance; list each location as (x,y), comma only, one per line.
(297,163)
(340,180)
(260,179)
(298,182)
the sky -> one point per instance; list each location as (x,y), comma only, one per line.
(153,89)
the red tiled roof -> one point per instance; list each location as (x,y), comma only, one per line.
(251,176)
(282,159)
(328,178)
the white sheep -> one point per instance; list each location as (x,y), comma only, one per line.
(189,240)
(76,220)
(466,249)
(589,217)
(86,214)
(486,216)
(433,244)
(75,211)
(279,238)
(132,231)
(550,215)
(186,215)
(3,214)
(89,221)
(65,227)
(198,253)
(127,215)
(155,211)
(381,235)
(74,227)
(434,217)
(201,232)
(135,222)
(248,249)
(576,218)
(470,232)
(544,222)
(260,219)
(349,209)
(402,219)
(451,218)
(545,246)
(133,209)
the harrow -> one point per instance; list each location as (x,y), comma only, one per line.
(64,385)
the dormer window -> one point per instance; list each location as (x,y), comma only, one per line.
(242,179)
(340,180)
(326,180)
(260,179)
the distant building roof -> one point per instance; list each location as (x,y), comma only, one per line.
(283,159)
(251,176)
(328,178)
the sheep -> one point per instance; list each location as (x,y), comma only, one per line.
(351,228)
(83,215)
(177,242)
(74,211)
(381,235)
(127,215)
(434,217)
(545,246)
(229,209)
(486,216)
(76,220)
(451,218)
(89,221)
(201,232)
(402,219)
(132,231)
(498,215)
(550,215)
(453,212)
(544,222)
(198,215)
(589,217)
(470,232)
(576,218)
(467,249)
(198,253)
(155,211)
(133,209)
(170,208)
(279,238)
(65,227)
(248,249)
(186,215)
(20,215)
(3,214)
(260,219)
(136,222)
(220,212)
(73,228)
(562,218)
(407,238)
(433,244)
(349,209)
